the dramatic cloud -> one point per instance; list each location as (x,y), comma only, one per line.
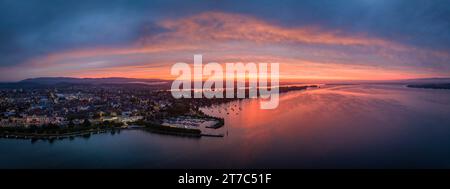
(144,40)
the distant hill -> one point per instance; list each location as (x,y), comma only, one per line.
(109,80)
(429,80)
(400,81)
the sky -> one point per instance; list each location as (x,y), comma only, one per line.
(311,39)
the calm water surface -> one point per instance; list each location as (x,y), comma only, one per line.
(351,126)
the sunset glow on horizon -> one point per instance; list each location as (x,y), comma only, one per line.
(311,51)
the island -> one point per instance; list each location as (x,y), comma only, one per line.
(431,86)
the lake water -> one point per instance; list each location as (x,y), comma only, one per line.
(348,126)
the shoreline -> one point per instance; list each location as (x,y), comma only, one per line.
(18,135)
(154,128)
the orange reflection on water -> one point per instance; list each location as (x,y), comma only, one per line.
(331,120)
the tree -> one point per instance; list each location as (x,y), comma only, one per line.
(96,116)
(86,123)
(71,124)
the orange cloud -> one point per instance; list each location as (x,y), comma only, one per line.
(214,26)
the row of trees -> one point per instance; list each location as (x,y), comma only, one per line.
(56,129)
